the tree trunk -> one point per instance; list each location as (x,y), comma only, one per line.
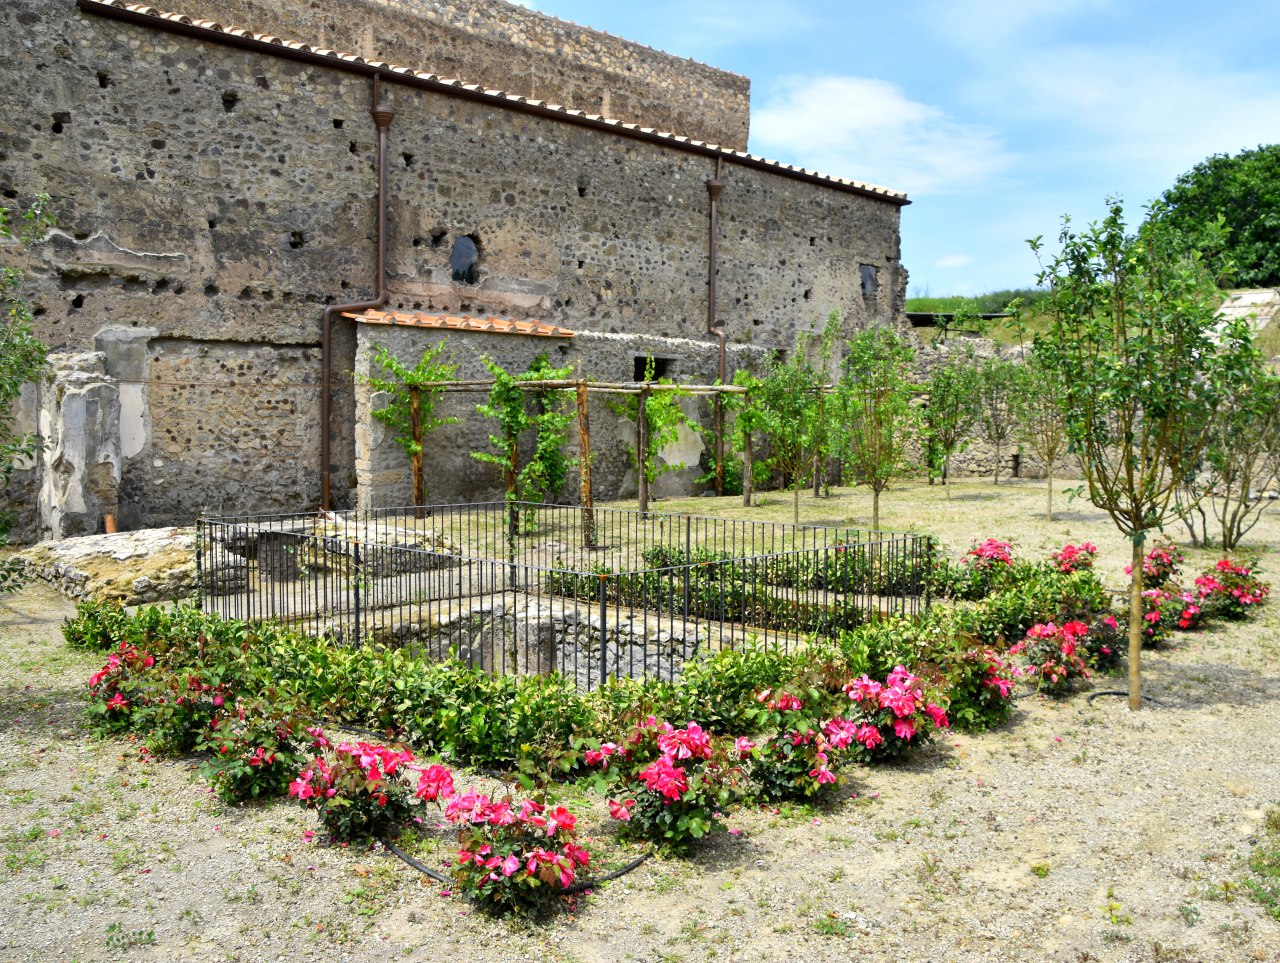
(795,498)
(946,471)
(642,452)
(1049,493)
(995,477)
(415,430)
(584,469)
(875,510)
(747,469)
(817,476)
(1136,626)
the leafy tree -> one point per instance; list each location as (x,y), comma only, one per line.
(822,348)
(410,410)
(948,420)
(1244,191)
(783,408)
(999,382)
(548,413)
(747,431)
(22,355)
(663,418)
(877,417)
(1040,423)
(1241,462)
(1145,364)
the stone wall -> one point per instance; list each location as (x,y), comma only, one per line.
(506,47)
(211,202)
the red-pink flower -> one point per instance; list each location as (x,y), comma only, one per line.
(664,777)
(435,782)
(938,715)
(864,688)
(868,736)
(690,743)
(903,729)
(743,745)
(621,810)
(117,701)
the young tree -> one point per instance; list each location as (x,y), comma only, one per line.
(22,355)
(1146,364)
(1241,462)
(999,382)
(783,407)
(662,418)
(517,410)
(948,419)
(877,417)
(410,410)
(1040,422)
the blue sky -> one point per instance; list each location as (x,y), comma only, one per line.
(997,117)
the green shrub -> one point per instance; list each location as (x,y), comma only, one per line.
(96,626)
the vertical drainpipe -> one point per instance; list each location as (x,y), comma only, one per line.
(382,116)
(714,186)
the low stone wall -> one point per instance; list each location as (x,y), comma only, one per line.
(132,568)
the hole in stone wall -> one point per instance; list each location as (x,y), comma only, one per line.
(640,367)
(160,286)
(229,100)
(77,302)
(210,290)
(463,259)
(408,160)
(354,148)
(262,82)
(438,236)
(60,119)
(813,242)
(212,223)
(10,193)
(808,294)
(104,79)
(582,187)
(337,124)
(296,239)
(418,241)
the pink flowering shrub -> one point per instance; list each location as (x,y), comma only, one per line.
(1191,614)
(800,758)
(520,859)
(980,684)
(1160,609)
(361,790)
(1105,645)
(117,691)
(1230,590)
(674,783)
(889,718)
(1074,558)
(256,747)
(1055,656)
(1160,566)
(990,554)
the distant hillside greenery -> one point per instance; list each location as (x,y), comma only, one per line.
(993,303)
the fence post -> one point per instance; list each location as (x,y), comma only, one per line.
(688,564)
(358,578)
(604,625)
(928,573)
(199,563)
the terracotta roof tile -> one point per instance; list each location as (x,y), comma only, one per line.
(495,95)
(490,325)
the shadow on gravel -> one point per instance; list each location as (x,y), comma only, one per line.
(40,711)
(1197,685)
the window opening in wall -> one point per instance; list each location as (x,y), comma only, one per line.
(662,367)
(870,281)
(463,259)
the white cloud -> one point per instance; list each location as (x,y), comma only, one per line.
(870,130)
(982,26)
(949,262)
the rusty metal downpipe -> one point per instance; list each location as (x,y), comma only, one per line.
(714,186)
(382,116)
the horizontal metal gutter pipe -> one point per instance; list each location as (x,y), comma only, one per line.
(388,75)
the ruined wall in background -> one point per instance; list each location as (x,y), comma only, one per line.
(213,201)
(506,47)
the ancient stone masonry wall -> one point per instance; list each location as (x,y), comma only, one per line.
(211,202)
(506,47)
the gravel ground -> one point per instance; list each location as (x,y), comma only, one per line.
(1075,833)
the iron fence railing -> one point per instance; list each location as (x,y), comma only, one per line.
(532,588)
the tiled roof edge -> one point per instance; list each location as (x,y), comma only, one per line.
(214,31)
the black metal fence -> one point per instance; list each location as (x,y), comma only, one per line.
(532,588)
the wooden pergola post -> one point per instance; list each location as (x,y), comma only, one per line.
(415,432)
